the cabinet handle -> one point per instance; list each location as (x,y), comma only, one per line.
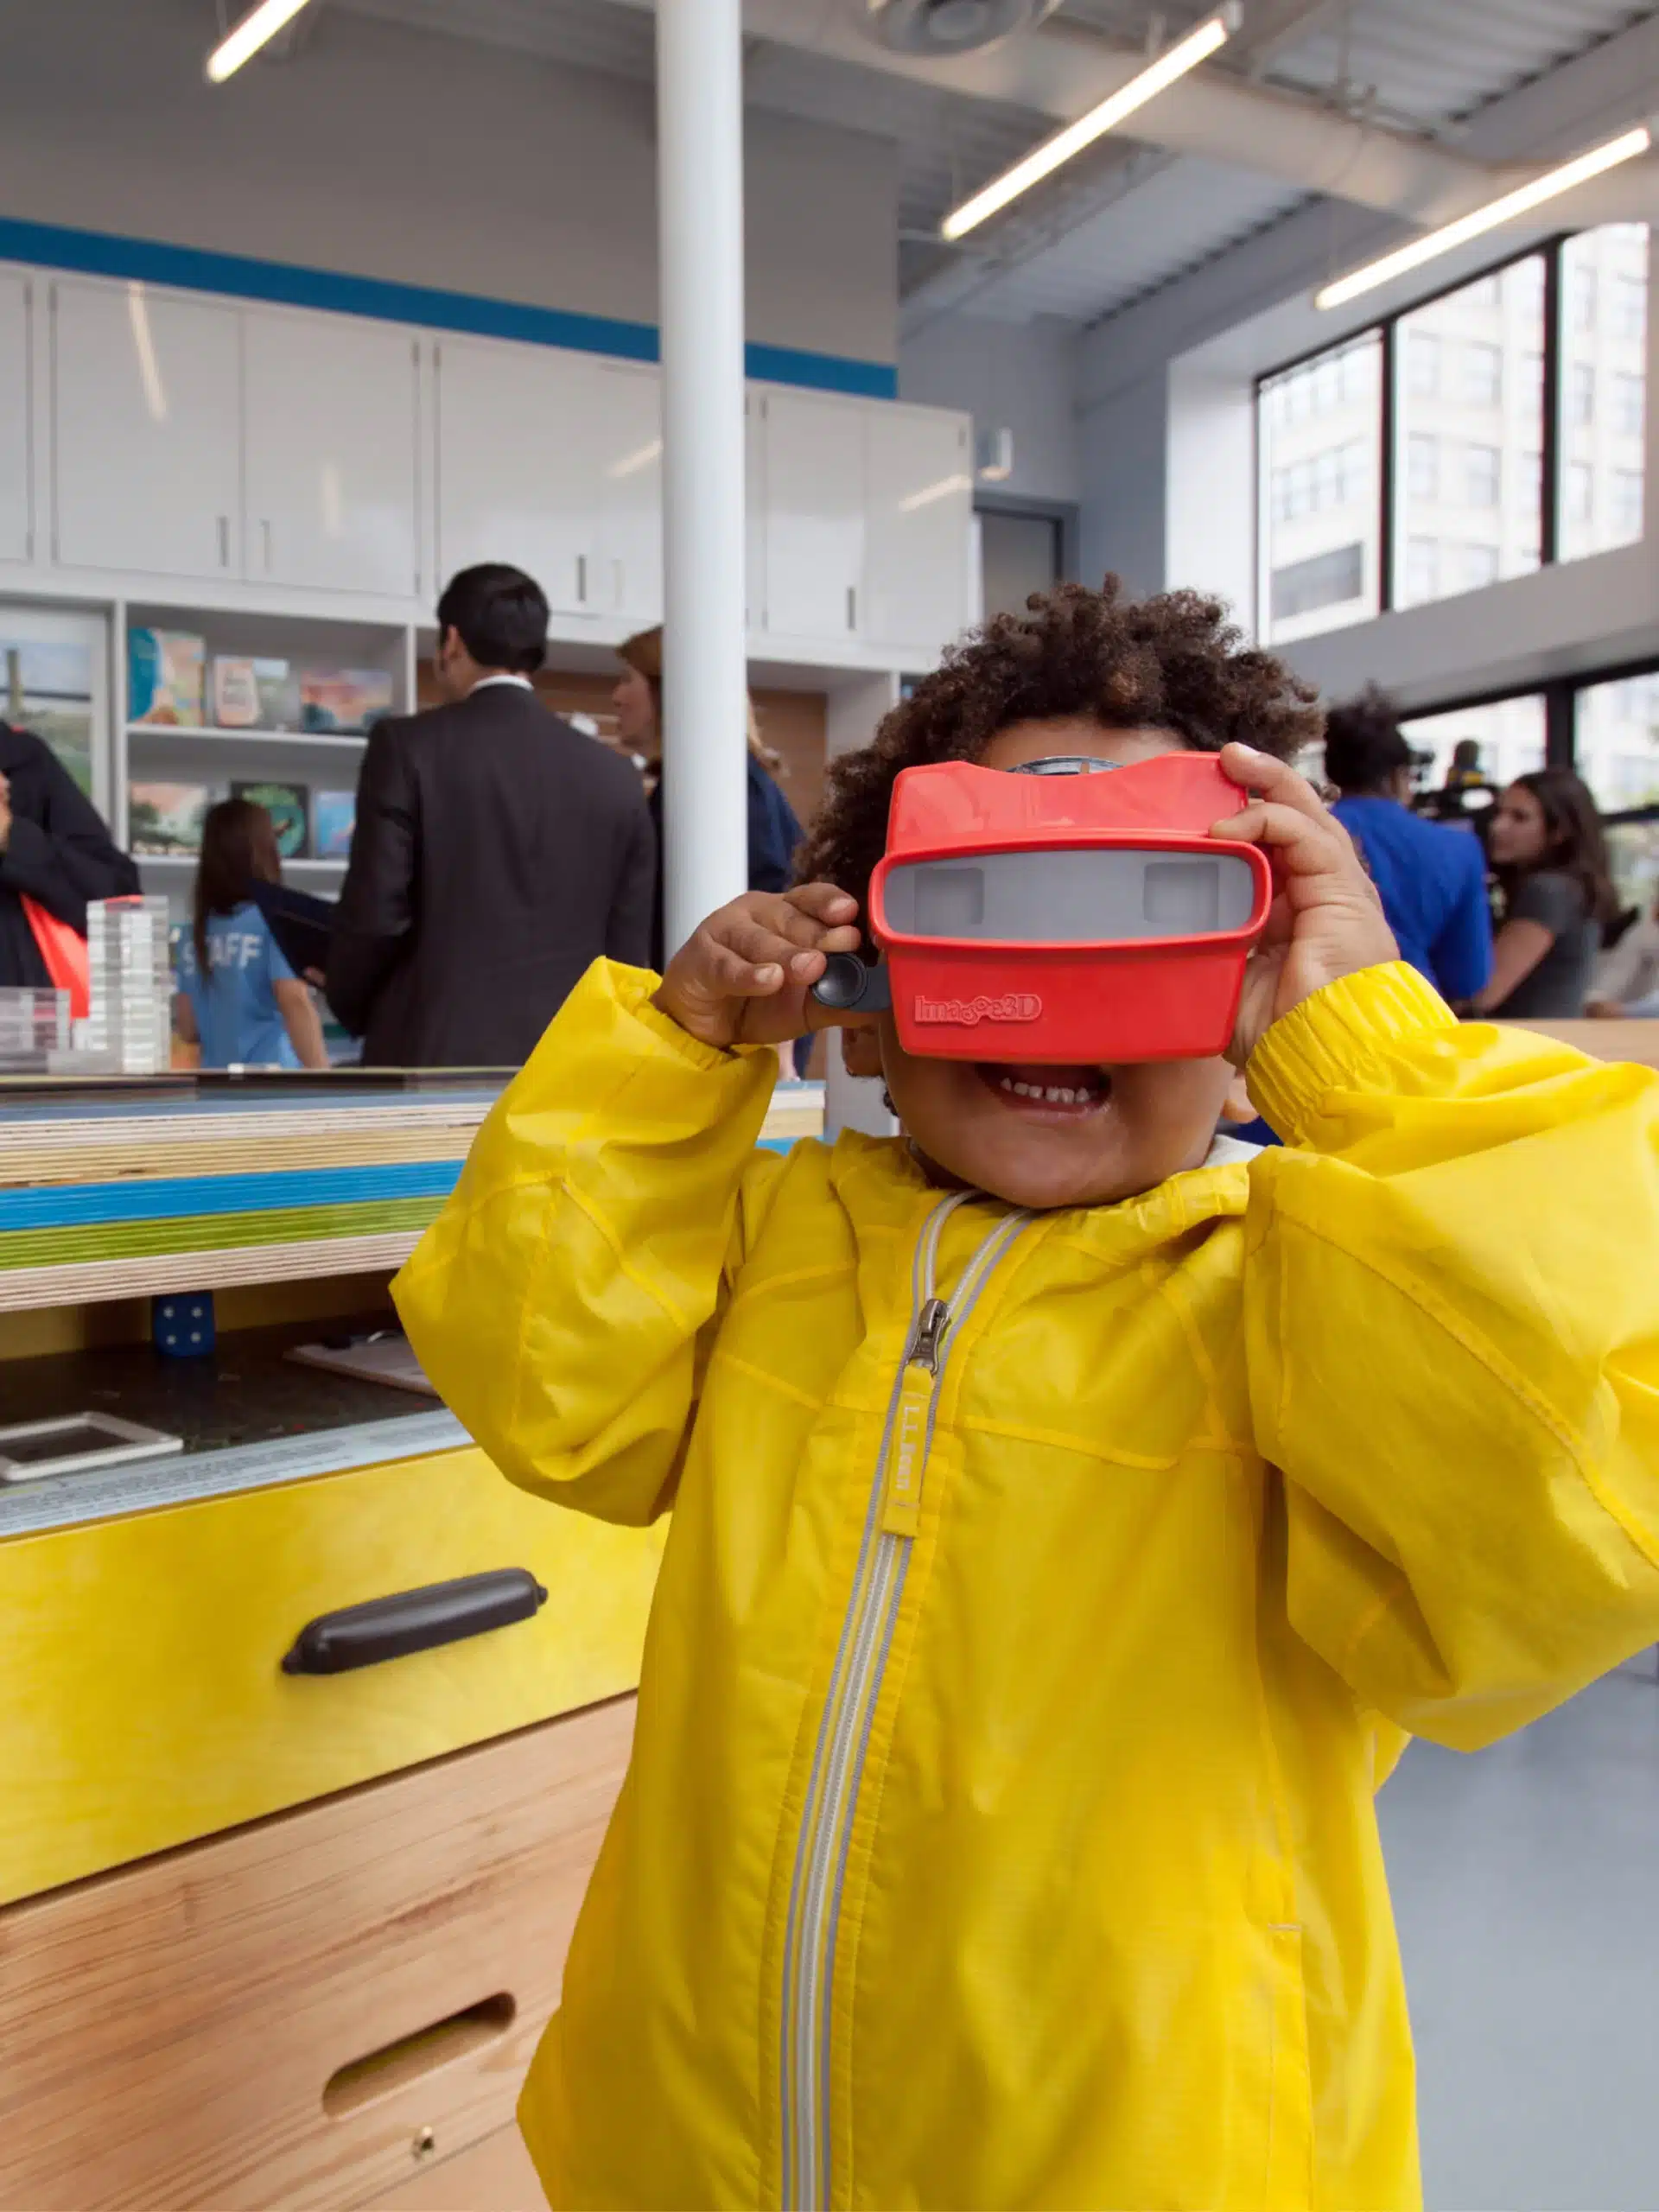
(414,1620)
(852,607)
(581,578)
(265,527)
(224,540)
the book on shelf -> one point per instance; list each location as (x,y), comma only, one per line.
(346,700)
(254,693)
(288,806)
(167,817)
(334,817)
(165,674)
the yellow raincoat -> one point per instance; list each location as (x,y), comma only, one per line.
(999,1830)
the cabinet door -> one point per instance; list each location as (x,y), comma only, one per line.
(815,515)
(921,495)
(519,474)
(628,432)
(16,512)
(332,447)
(146,430)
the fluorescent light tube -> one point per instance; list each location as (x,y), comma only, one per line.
(1186,53)
(1505,209)
(257,28)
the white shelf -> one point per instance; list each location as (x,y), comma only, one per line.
(345,740)
(189,860)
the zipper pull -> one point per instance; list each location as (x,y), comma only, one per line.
(901,1513)
(924,1350)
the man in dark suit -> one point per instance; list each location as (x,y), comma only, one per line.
(54,849)
(498,852)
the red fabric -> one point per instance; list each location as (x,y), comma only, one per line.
(63,950)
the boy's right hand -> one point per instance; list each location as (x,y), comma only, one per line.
(743,977)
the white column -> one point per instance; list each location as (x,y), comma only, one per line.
(700,228)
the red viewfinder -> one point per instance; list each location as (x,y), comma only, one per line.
(1070,917)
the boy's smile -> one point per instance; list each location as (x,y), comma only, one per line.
(1046,1136)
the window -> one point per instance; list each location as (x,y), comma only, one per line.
(1604,415)
(1481,465)
(1581,292)
(1423,454)
(1422,569)
(1478,565)
(1326,579)
(1509,737)
(1489,340)
(1615,741)
(1482,375)
(1320,433)
(1423,363)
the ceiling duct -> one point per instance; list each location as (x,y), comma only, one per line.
(936,30)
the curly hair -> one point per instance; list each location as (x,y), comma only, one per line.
(1172,662)
(1364,745)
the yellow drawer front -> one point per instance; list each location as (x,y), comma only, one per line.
(143,1701)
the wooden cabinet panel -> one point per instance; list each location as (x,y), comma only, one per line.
(202,2030)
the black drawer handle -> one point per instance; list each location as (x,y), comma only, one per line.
(414,1620)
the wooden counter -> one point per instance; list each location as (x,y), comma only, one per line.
(1605,1040)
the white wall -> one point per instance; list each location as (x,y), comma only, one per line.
(1210,490)
(1124,487)
(1007,376)
(422,159)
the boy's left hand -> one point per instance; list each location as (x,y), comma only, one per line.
(1326,920)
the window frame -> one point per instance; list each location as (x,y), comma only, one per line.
(1560,696)
(1393,380)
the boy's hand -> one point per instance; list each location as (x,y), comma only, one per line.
(743,978)
(1326,919)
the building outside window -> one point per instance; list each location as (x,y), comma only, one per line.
(1320,443)
(1481,465)
(1483,374)
(1423,363)
(1616,740)
(1605,416)
(1509,733)
(1581,295)
(1470,447)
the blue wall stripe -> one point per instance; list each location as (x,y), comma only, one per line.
(98,253)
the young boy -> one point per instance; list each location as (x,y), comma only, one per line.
(1020,1851)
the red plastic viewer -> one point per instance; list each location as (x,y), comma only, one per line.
(1060,915)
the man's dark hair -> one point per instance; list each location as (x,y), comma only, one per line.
(1172,662)
(1364,745)
(501,615)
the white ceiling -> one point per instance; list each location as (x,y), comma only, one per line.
(1125,220)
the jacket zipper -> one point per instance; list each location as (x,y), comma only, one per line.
(891,1524)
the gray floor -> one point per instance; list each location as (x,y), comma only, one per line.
(1526,1885)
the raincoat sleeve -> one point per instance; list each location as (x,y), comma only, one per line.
(1452,1328)
(564,1300)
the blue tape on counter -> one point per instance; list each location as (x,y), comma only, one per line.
(176,1198)
(237,276)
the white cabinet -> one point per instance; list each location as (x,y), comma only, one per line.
(332,455)
(920,506)
(147,445)
(16,512)
(754,519)
(627,430)
(519,473)
(814,460)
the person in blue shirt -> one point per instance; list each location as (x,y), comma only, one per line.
(1430,877)
(237,997)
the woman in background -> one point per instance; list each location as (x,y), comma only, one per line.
(773,830)
(1545,841)
(237,997)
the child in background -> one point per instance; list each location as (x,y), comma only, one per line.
(237,997)
(1011,1844)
